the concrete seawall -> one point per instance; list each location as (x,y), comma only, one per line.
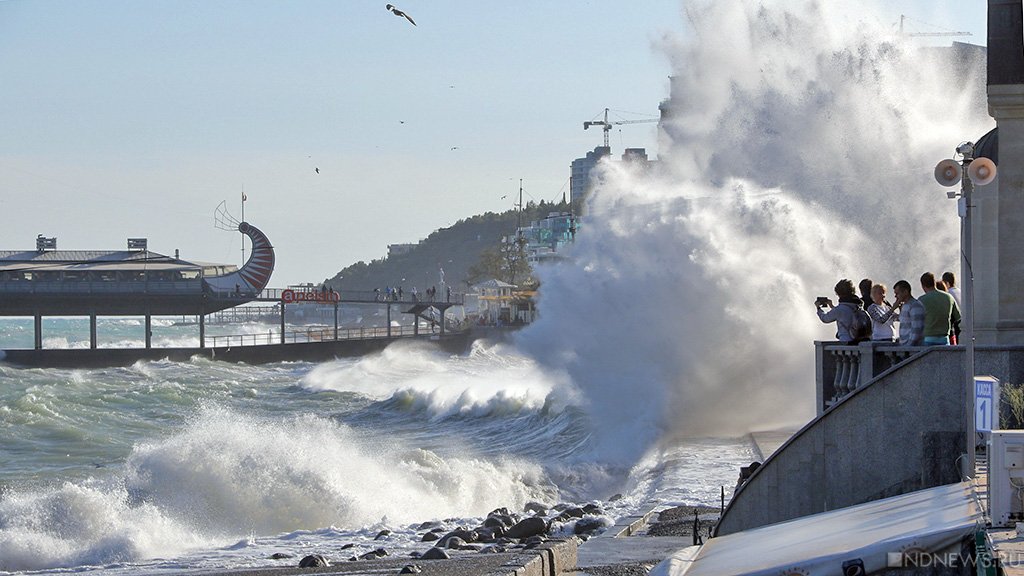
(901,432)
(255,354)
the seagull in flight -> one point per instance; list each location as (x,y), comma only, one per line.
(317,170)
(398,12)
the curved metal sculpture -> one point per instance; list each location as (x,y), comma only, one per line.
(252,277)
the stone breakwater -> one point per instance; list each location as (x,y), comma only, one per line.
(501,531)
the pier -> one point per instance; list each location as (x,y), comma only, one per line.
(314,343)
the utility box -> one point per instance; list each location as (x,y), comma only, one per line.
(1006,477)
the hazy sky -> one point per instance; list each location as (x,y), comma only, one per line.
(124,118)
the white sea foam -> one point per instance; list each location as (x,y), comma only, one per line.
(83,525)
(227,475)
(491,380)
(227,470)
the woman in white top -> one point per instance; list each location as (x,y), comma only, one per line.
(882,315)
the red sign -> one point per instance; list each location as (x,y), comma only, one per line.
(291,297)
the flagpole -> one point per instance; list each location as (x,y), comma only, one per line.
(243,220)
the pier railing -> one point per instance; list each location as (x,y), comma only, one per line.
(312,335)
(842,368)
(370,296)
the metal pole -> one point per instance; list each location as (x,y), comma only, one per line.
(967,321)
(335,320)
(282,321)
(243,220)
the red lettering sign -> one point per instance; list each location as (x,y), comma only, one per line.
(291,297)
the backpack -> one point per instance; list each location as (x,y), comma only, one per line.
(860,330)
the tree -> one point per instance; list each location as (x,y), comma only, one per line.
(515,265)
(506,262)
(490,265)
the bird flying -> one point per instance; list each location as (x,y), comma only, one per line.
(399,13)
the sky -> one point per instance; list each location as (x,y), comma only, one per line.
(136,118)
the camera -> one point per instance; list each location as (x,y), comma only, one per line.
(822,301)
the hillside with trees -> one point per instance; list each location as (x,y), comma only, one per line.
(469,251)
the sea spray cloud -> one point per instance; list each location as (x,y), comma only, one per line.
(797,152)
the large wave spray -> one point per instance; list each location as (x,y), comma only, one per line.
(799,151)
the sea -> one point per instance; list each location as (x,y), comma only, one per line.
(204,465)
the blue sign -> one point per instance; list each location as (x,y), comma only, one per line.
(986,409)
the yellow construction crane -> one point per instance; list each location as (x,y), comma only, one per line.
(947,33)
(607,125)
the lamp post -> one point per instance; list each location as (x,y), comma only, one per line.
(967,170)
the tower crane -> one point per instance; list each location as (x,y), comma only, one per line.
(607,125)
(947,33)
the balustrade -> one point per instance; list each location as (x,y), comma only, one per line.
(843,368)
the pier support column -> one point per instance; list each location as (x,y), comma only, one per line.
(149,331)
(335,320)
(282,322)
(92,331)
(39,331)
(202,330)
(389,320)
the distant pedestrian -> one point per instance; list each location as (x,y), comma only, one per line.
(941,312)
(954,331)
(448,294)
(950,279)
(399,292)
(866,285)
(911,315)
(882,315)
(843,314)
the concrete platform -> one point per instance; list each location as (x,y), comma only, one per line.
(768,441)
(639,549)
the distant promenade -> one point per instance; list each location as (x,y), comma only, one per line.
(311,350)
(312,344)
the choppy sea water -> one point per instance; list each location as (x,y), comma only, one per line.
(207,465)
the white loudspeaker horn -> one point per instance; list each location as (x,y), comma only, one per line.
(947,172)
(981,171)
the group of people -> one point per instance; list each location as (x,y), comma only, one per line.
(396,294)
(931,319)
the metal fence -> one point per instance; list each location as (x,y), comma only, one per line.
(311,335)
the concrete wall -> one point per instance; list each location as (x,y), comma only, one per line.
(901,432)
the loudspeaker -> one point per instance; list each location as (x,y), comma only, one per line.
(947,172)
(981,171)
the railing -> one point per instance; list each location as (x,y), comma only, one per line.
(312,335)
(102,287)
(275,294)
(840,368)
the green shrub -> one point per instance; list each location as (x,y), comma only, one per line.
(1011,409)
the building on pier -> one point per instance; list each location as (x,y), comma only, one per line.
(132,282)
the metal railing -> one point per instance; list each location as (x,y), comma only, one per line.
(313,335)
(843,368)
(102,287)
(367,296)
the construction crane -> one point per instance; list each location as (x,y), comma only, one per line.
(947,33)
(607,125)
